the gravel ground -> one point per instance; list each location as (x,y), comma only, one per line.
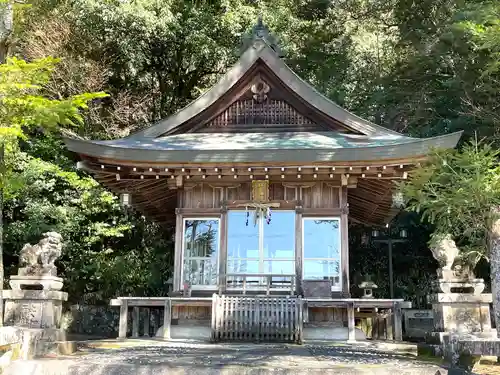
(238,359)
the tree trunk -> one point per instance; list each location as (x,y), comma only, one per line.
(6,26)
(494,255)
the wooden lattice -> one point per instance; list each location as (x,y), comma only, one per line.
(246,318)
(269,112)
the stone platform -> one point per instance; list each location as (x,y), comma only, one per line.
(159,358)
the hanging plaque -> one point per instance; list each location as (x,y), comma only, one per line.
(260,191)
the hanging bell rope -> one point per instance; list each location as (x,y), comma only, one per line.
(260,210)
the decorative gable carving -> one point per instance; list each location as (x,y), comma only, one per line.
(260,108)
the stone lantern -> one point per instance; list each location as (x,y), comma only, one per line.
(367,287)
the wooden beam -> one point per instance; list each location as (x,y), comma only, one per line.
(298,251)
(223,251)
(344,241)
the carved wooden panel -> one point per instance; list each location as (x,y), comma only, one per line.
(191,312)
(311,194)
(277,191)
(268,115)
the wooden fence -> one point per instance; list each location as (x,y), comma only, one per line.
(257,318)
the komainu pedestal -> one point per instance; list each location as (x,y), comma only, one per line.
(461,314)
(35,303)
(459,305)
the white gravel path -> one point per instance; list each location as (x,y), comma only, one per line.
(238,359)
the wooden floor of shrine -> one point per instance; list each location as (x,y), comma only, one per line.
(260,318)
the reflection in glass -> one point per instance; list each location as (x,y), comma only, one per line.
(262,248)
(279,236)
(200,271)
(321,246)
(201,251)
(321,238)
(242,240)
(243,266)
(279,267)
(321,269)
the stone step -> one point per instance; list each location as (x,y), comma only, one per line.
(64,367)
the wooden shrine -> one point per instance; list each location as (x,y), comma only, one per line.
(260,177)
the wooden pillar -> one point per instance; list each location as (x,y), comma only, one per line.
(213,318)
(167,318)
(223,251)
(344,241)
(135,322)
(388,325)
(147,318)
(298,250)
(351,322)
(301,321)
(397,321)
(122,330)
(178,266)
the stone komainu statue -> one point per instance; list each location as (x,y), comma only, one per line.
(44,253)
(445,251)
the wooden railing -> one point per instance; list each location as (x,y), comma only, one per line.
(259,318)
(259,282)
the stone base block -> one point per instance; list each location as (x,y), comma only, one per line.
(46,282)
(32,342)
(461,313)
(440,338)
(33,308)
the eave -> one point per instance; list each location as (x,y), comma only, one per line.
(148,151)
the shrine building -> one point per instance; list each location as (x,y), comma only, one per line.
(260,177)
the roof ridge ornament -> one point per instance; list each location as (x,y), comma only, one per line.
(261,32)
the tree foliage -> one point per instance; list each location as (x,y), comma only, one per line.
(457,191)
(22,107)
(101,240)
(424,68)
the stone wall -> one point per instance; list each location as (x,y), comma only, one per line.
(102,321)
(90,320)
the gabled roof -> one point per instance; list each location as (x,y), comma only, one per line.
(262,147)
(327,136)
(260,51)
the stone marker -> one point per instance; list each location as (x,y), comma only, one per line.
(34,305)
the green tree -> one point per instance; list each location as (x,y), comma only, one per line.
(21,108)
(459,193)
(101,239)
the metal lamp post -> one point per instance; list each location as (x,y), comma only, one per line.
(389,239)
(389,236)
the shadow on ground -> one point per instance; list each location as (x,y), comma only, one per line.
(235,359)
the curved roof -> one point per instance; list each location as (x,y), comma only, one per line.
(174,142)
(262,147)
(162,143)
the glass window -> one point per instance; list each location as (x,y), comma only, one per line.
(279,236)
(321,246)
(201,251)
(242,239)
(258,247)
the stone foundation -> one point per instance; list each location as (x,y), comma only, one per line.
(462,314)
(33,308)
